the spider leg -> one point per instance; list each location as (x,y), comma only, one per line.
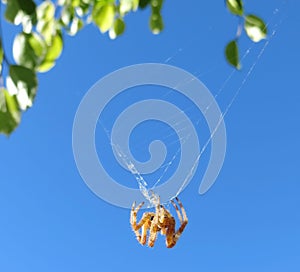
(183,222)
(154,228)
(144,223)
(145,228)
(134,211)
(185,219)
(172,236)
(177,211)
(160,220)
(133,215)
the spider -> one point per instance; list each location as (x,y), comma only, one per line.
(161,220)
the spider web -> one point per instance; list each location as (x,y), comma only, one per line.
(229,105)
(144,188)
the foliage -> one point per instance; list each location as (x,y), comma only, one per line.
(40,43)
(254,27)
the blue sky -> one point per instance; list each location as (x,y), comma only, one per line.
(248,221)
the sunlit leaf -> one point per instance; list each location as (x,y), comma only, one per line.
(37,44)
(27,24)
(46,11)
(255,28)
(104,17)
(9,112)
(67,15)
(235,7)
(56,48)
(117,29)
(76,25)
(83,8)
(28,50)
(54,51)
(135,5)
(75,3)
(125,6)
(46,66)
(128,5)
(47,29)
(232,54)
(61,2)
(25,81)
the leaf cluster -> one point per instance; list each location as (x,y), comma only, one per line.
(253,25)
(40,43)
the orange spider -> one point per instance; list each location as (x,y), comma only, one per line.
(161,220)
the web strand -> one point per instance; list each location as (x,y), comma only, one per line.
(250,70)
(142,184)
(221,89)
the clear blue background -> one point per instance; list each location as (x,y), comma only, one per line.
(248,221)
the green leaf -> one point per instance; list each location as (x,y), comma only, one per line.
(255,28)
(28,50)
(83,9)
(67,15)
(23,82)
(128,5)
(235,7)
(46,11)
(104,17)
(46,65)
(75,3)
(46,20)
(144,3)
(117,29)
(56,48)
(125,6)
(9,112)
(61,2)
(135,5)
(232,54)
(17,9)
(37,44)
(54,51)
(27,24)
(46,29)
(156,23)
(156,5)
(76,25)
